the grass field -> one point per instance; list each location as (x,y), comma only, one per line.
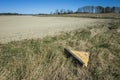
(44,59)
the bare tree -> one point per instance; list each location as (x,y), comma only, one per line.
(108,10)
(57,12)
(99,9)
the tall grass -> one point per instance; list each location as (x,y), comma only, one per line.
(44,59)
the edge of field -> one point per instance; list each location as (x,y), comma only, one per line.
(44,59)
(85,15)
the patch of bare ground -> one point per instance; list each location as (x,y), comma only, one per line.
(14,28)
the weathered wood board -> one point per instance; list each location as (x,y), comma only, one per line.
(81,56)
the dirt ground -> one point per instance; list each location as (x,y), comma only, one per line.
(14,28)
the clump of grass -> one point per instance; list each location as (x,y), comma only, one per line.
(44,59)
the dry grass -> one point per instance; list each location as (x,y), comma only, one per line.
(44,59)
(88,15)
(104,15)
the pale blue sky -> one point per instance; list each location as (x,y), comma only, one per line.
(46,6)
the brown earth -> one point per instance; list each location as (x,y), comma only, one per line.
(14,28)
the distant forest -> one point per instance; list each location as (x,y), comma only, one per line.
(85,9)
(90,9)
(9,13)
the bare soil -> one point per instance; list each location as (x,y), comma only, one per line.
(14,28)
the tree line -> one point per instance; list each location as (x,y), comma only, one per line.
(10,14)
(85,9)
(90,9)
(14,14)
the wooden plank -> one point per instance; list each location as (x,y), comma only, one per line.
(81,56)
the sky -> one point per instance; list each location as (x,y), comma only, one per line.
(47,6)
